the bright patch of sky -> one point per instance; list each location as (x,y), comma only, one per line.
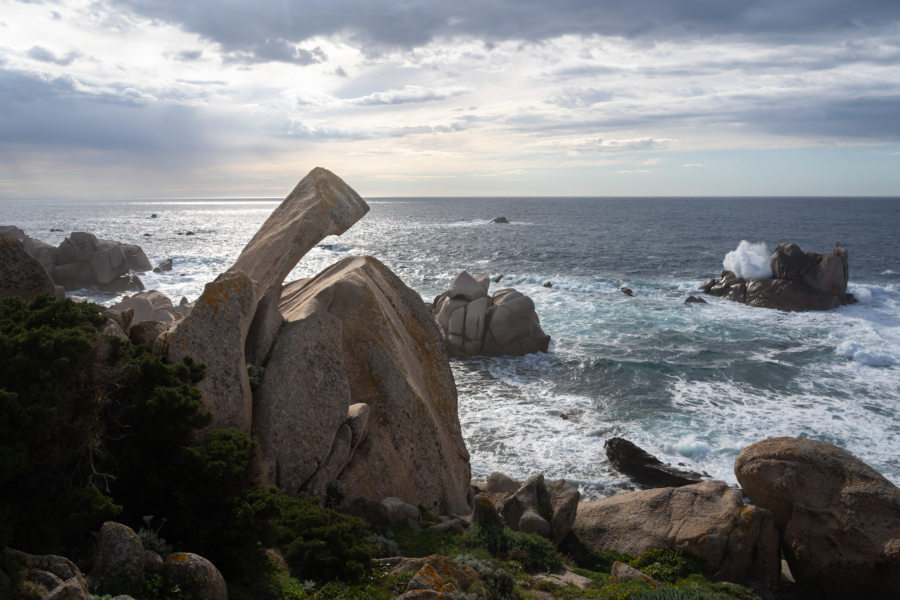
(172,98)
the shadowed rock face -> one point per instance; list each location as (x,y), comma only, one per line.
(645,468)
(20,274)
(839,518)
(801,281)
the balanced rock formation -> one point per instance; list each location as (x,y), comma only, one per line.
(351,382)
(473,323)
(800,281)
(392,360)
(82,261)
(736,541)
(839,519)
(645,468)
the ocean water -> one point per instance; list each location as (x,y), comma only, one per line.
(692,384)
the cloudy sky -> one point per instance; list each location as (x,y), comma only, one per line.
(188,98)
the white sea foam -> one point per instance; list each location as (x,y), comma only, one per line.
(749,260)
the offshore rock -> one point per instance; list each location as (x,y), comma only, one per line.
(839,519)
(645,468)
(736,541)
(393,361)
(473,323)
(801,281)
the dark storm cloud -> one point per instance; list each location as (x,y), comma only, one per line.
(52,114)
(42,54)
(277,50)
(245,25)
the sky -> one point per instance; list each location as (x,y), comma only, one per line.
(241,98)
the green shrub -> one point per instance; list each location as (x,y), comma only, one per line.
(534,552)
(665,564)
(602,562)
(423,542)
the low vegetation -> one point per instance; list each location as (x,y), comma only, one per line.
(94,428)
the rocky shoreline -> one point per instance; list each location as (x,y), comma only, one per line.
(344,383)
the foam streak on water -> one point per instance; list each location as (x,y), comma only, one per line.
(693,384)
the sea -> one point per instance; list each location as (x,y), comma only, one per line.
(692,384)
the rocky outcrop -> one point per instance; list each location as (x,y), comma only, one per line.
(119,560)
(214,334)
(393,361)
(48,576)
(20,274)
(839,519)
(801,281)
(736,541)
(546,509)
(473,323)
(82,260)
(644,468)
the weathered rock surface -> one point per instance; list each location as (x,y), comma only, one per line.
(441,574)
(547,509)
(319,206)
(196,575)
(303,400)
(52,576)
(472,323)
(214,334)
(645,468)
(737,541)
(499,483)
(801,281)
(395,363)
(20,274)
(119,560)
(839,518)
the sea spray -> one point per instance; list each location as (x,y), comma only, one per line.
(749,261)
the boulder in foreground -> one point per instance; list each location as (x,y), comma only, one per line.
(839,519)
(801,281)
(736,541)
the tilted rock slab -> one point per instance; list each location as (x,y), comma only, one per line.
(319,206)
(214,334)
(839,518)
(303,400)
(395,363)
(240,307)
(737,541)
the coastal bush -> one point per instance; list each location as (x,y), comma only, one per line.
(666,564)
(533,552)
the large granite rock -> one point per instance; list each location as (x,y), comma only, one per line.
(644,468)
(801,281)
(736,541)
(839,519)
(214,333)
(20,274)
(394,362)
(302,401)
(119,561)
(473,323)
(196,575)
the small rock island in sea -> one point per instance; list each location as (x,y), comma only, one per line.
(343,382)
(796,281)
